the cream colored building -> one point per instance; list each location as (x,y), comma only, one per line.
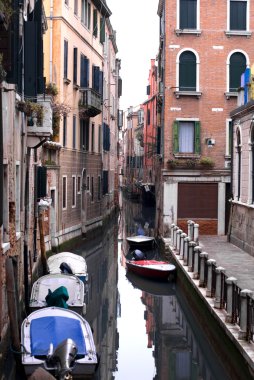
(80,59)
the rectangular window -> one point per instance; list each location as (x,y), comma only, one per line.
(64,130)
(105,182)
(74,132)
(75,65)
(5,205)
(64,200)
(106,137)
(75,7)
(99,139)
(88,183)
(95,23)
(186,137)
(188,14)
(84,134)
(65,59)
(102,30)
(86,13)
(229,132)
(17,200)
(92,138)
(79,184)
(238,14)
(148,117)
(92,190)
(84,71)
(73,202)
(99,188)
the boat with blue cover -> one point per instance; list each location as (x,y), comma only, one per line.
(59,340)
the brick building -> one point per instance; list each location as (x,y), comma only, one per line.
(204,48)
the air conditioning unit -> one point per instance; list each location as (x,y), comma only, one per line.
(228,164)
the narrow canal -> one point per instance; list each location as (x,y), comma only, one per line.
(142,330)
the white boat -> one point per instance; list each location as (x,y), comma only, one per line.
(60,341)
(76,264)
(70,287)
(140,241)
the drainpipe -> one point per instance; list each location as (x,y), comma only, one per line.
(51,42)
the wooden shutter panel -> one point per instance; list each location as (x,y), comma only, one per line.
(65,59)
(41,181)
(86,60)
(75,64)
(95,23)
(30,64)
(197,137)
(101,82)
(175,137)
(102,30)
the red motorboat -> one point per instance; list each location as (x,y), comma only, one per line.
(153,269)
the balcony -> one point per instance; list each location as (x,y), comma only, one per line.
(89,103)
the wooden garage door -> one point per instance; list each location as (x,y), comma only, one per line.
(198,200)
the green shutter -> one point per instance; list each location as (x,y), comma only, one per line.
(102,30)
(175,137)
(197,137)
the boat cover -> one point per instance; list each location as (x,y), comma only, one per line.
(55,329)
(58,297)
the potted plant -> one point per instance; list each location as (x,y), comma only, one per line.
(6,11)
(2,70)
(59,110)
(206,162)
(51,89)
(34,110)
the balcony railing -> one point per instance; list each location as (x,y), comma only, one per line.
(90,102)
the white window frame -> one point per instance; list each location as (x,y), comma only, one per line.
(5,204)
(197,67)
(247,18)
(17,196)
(79,184)
(73,191)
(178,19)
(66,196)
(227,152)
(228,65)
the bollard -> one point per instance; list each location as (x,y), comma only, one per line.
(242,335)
(192,244)
(190,229)
(182,237)
(196,232)
(172,233)
(202,279)
(209,290)
(218,302)
(178,236)
(185,250)
(174,236)
(197,251)
(230,281)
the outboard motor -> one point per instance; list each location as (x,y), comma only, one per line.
(138,255)
(65,268)
(62,360)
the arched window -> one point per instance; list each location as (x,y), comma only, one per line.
(239,162)
(187,71)
(236,69)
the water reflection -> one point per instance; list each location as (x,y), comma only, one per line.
(142,330)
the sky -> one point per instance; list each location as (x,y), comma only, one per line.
(137,37)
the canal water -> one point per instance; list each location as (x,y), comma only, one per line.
(143,330)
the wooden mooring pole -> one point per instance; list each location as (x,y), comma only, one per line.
(42,241)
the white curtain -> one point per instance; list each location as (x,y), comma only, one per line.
(186,137)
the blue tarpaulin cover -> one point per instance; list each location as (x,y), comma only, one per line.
(46,330)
